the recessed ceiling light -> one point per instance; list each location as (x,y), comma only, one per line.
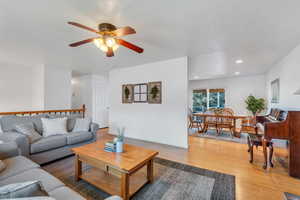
(237,73)
(196,77)
(239,61)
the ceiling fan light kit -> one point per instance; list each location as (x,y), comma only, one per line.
(109,40)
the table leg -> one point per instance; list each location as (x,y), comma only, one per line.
(265,150)
(150,171)
(78,168)
(125,186)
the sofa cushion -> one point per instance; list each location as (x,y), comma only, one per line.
(82,124)
(16,165)
(21,190)
(47,143)
(77,137)
(65,193)
(9,122)
(29,130)
(49,182)
(57,126)
(71,119)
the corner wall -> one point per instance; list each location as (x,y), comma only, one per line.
(162,123)
(288,71)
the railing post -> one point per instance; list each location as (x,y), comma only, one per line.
(83,108)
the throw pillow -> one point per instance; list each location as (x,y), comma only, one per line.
(25,189)
(28,129)
(2,166)
(82,124)
(54,126)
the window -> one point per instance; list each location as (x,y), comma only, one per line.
(208,98)
(199,100)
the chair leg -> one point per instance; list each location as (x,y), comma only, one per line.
(251,154)
(248,142)
(201,128)
(265,151)
(205,128)
(271,154)
(198,127)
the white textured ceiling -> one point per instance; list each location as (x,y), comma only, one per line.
(212,33)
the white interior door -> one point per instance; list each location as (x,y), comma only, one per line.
(101,109)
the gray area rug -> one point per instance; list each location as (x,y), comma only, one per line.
(176,181)
(225,136)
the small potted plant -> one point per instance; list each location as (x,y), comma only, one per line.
(255,105)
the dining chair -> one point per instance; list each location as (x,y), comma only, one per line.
(229,110)
(225,122)
(195,123)
(210,121)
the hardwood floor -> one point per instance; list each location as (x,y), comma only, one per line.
(252,182)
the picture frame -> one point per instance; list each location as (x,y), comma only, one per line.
(127,93)
(154,92)
(140,93)
(275,90)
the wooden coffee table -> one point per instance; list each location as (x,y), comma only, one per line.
(114,173)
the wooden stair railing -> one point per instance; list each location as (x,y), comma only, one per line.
(37,112)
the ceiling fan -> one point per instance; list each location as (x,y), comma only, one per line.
(109,40)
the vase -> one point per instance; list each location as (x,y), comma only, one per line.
(119,147)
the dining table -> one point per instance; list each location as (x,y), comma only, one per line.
(234,117)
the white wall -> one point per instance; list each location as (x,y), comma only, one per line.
(237,89)
(163,123)
(17,85)
(288,71)
(58,88)
(33,88)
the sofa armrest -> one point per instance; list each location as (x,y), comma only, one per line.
(94,127)
(21,140)
(8,149)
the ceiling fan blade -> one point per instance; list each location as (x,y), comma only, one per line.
(76,44)
(83,26)
(124,31)
(110,52)
(130,46)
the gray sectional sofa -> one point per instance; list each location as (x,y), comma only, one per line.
(21,169)
(49,148)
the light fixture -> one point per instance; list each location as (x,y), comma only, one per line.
(239,61)
(104,43)
(237,73)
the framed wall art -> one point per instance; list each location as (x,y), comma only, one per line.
(275,89)
(154,92)
(140,93)
(127,93)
